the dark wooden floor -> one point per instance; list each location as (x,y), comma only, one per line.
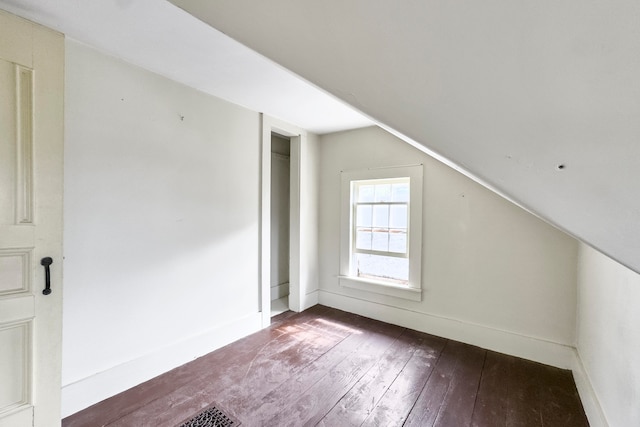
(330,368)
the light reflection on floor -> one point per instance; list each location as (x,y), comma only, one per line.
(339,326)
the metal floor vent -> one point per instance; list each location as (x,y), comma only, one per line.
(211,417)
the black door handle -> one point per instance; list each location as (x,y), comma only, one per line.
(46,262)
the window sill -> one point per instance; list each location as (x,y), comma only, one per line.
(382,288)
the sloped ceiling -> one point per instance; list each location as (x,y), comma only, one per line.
(539,100)
(158,36)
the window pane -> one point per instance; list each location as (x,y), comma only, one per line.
(381,216)
(382,267)
(365,193)
(363,215)
(400,192)
(398,241)
(383,193)
(363,239)
(380,241)
(398,216)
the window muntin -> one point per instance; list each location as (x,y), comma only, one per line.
(380,225)
(381,231)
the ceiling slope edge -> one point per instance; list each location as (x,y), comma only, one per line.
(159,37)
(537,102)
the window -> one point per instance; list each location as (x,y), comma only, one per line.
(379,225)
(381,231)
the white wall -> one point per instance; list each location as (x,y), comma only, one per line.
(161,225)
(493,275)
(609,334)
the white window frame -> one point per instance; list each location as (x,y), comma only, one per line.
(348,276)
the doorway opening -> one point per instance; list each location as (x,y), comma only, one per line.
(280,222)
(301,228)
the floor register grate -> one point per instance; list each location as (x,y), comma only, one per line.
(211,417)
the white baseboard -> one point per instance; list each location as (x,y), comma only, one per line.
(589,399)
(310,300)
(547,352)
(279,291)
(88,391)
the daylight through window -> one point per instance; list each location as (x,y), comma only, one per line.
(380,222)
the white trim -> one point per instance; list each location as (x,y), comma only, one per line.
(415,173)
(298,138)
(309,300)
(88,391)
(265,223)
(379,287)
(295,273)
(279,291)
(21,417)
(279,156)
(589,399)
(531,348)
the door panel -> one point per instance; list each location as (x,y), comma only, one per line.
(14,347)
(14,271)
(31,137)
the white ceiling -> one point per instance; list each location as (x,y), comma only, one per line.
(539,100)
(159,37)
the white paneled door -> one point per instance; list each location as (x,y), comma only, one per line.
(31,141)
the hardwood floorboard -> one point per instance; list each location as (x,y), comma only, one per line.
(360,401)
(264,398)
(431,401)
(271,362)
(256,410)
(559,400)
(324,394)
(492,400)
(331,368)
(285,398)
(458,404)
(138,397)
(395,405)
(523,408)
(282,317)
